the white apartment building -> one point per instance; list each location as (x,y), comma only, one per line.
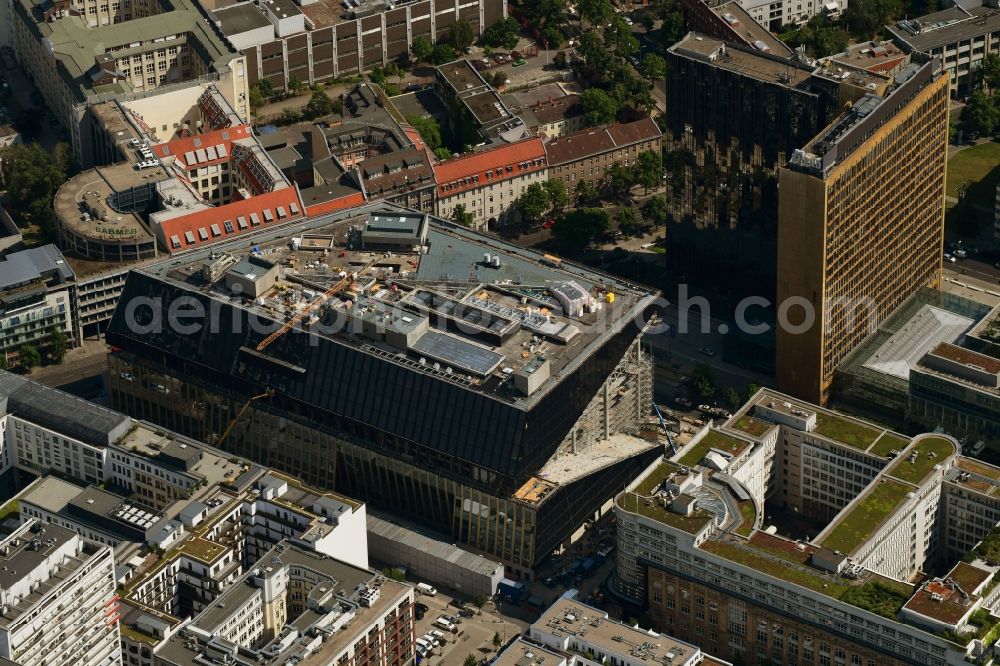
(57,597)
(775,14)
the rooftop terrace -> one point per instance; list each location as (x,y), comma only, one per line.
(713,439)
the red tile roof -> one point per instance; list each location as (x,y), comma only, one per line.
(414,136)
(469,172)
(185,148)
(190,229)
(600,140)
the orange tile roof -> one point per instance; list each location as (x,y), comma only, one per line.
(187,147)
(196,229)
(414,136)
(340,203)
(469,172)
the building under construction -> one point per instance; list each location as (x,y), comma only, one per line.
(439,374)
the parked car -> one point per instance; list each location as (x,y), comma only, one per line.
(961,254)
(949,258)
(684,402)
(519,62)
(707,351)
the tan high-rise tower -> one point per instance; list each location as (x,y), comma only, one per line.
(860,225)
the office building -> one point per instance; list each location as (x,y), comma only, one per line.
(792,534)
(586,155)
(315,42)
(959,36)
(524,384)
(37,295)
(723,166)
(81,53)
(57,599)
(854,242)
(728,21)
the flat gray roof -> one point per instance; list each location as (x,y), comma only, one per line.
(242,17)
(929,327)
(949,26)
(65,413)
(29,265)
(423,541)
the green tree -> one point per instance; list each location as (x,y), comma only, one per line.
(991,71)
(266,87)
(864,18)
(648,169)
(586,192)
(502,34)
(534,202)
(598,107)
(58,344)
(429,130)
(392,573)
(594,52)
(497,641)
(672,29)
(4,364)
(654,211)
(557,193)
(31,176)
(289,117)
(733,399)
(295,85)
(628,222)
(547,17)
(442,53)
(981,114)
(498,78)
(618,179)
(461,216)
(442,153)
(703,380)
(647,21)
(751,389)
(479,601)
(422,49)
(462,34)
(597,12)
(28,356)
(257,99)
(319,105)
(470,660)
(619,37)
(652,67)
(580,228)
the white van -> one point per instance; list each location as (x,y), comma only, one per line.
(425,644)
(424,588)
(439,635)
(444,624)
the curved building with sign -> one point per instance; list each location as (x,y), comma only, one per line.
(99,213)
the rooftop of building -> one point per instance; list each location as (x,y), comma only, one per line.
(77,46)
(642,499)
(593,627)
(296,641)
(479,169)
(744,61)
(35,264)
(85,202)
(421,540)
(949,599)
(241,17)
(948,26)
(23,556)
(61,411)
(599,140)
(748,30)
(523,652)
(881,57)
(544,92)
(853,127)
(927,329)
(536,304)
(557,109)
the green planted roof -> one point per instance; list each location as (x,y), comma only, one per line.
(866,515)
(930,451)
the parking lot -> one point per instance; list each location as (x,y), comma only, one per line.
(475,631)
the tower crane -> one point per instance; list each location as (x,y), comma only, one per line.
(319,300)
(239,415)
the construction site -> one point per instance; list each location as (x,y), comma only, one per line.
(498,389)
